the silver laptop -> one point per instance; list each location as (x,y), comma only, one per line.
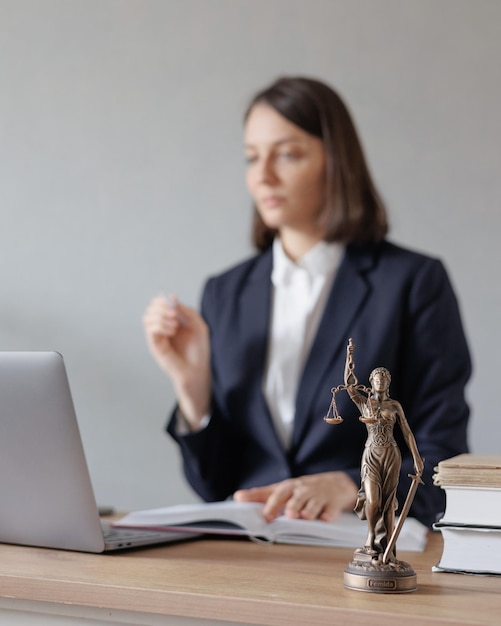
(46,496)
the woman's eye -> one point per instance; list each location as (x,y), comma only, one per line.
(250,158)
(288,155)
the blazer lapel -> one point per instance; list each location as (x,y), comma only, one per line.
(254,315)
(347,296)
(255,323)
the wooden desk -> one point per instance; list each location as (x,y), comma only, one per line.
(231,582)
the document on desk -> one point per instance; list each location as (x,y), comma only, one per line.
(246,519)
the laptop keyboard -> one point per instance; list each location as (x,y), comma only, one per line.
(113,534)
(130,537)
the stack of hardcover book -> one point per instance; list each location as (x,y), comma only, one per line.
(471,524)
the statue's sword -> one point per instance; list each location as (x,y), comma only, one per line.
(416,480)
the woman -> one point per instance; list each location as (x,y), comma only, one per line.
(253,372)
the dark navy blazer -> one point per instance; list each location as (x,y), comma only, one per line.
(400,310)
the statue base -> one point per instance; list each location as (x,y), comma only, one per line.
(370,574)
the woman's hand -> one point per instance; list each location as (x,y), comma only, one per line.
(178,339)
(317,496)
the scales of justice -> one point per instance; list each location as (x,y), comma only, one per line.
(375,567)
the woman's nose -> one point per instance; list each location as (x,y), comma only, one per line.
(267,172)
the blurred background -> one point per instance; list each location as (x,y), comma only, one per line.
(122,176)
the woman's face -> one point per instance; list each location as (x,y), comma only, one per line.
(285,171)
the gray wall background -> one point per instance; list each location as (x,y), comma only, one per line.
(121,175)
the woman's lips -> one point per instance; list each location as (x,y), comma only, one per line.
(272,201)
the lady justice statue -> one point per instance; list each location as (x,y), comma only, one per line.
(375,566)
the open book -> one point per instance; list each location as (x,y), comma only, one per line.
(246,519)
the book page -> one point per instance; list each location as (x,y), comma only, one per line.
(346,531)
(245,517)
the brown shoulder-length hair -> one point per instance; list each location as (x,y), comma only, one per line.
(354,211)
